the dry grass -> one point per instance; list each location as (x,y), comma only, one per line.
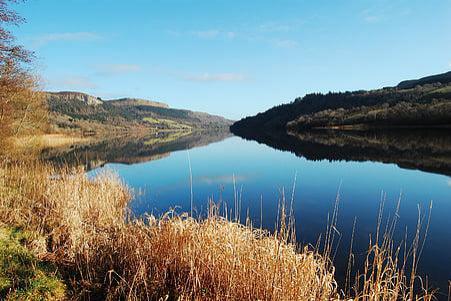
(59,140)
(389,271)
(30,146)
(106,255)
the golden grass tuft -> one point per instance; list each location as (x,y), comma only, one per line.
(216,259)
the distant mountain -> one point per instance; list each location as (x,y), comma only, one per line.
(424,102)
(90,115)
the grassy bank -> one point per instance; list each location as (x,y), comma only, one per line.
(103,254)
(23,276)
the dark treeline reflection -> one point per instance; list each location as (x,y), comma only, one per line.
(424,149)
(130,150)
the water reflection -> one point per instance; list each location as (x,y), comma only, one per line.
(132,149)
(426,150)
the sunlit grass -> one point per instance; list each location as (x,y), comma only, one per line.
(444,90)
(167,122)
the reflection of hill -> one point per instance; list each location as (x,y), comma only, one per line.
(130,150)
(427,150)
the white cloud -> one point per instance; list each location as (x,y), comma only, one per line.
(199,76)
(406,12)
(117,69)
(285,43)
(65,36)
(73,82)
(371,19)
(249,36)
(174,33)
(216,77)
(274,27)
(282,26)
(267,33)
(369,16)
(206,34)
(231,34)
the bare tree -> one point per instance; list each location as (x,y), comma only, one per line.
(22,105)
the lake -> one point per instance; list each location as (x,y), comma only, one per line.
(225,166)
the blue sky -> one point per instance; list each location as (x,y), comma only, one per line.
(233,58)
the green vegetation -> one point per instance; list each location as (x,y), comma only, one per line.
(22,275)
(444,90)
(167,137)
(435,113)
(166,124)
(420,103)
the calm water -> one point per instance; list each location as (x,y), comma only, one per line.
(261,173)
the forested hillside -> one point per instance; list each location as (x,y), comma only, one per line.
(423,102)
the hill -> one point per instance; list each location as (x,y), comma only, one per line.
(415,103)
(89,115)
(444,78)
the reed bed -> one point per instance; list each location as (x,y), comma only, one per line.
(105,254)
